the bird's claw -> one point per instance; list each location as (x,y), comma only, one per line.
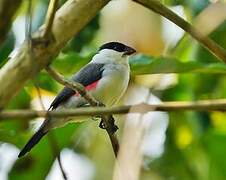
(113,127)
(102,125)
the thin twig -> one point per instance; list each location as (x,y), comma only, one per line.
(28,27)
(73,85)
(46,35)
(115,143)
(208,43)
(107,120)
(39,94)
(28,21)
(56,152)
(53,4)
(54,146)
(202,105)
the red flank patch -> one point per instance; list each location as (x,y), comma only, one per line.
(89,87)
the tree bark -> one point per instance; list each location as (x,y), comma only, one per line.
(201,105)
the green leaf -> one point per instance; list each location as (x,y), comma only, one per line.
(20,101)
(142,64)
(86,35)
(39,161)
(215,145)
(6,48)
(70,62)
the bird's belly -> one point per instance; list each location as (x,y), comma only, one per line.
(111,88)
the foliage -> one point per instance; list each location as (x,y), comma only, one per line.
(200,154)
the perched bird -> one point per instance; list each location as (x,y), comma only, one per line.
(106,77)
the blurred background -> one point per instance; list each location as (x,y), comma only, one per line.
(170,66)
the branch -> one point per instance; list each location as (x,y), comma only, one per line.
(50,17)
(202,105)
(69,20)
(56,153)
(107,121)
(48,34)
(208,43)
(73,85)
(7,11)
(53,143)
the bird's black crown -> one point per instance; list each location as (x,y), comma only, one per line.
(117,46)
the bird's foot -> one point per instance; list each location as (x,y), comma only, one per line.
(112,127)
(102,125)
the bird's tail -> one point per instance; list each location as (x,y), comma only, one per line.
(33,141)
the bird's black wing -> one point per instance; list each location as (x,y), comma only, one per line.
(86,76)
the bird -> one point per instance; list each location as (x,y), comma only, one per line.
(105,77)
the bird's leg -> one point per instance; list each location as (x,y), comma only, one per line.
(102,124)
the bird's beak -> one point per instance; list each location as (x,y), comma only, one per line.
(129,51)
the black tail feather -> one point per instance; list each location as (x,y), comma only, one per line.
(32,142)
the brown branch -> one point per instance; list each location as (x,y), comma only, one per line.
(202,105)
(49,18)
(8,9)
(47,34)
(56,152)
(108,120)
(208,43)
(73,85)
(53,143)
